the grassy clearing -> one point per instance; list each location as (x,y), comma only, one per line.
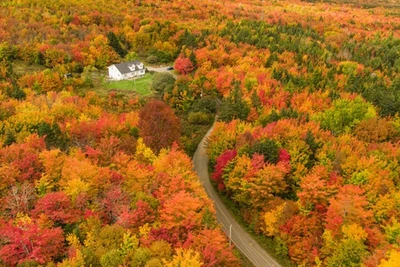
(21,68)
(139,85)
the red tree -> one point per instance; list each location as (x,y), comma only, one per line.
(222,161)
(58,207)
(183,65)
(214,248)
(158,125)
(350,205)
(141,215)
(114,203)
(303,238)
(30,242)
(181,210)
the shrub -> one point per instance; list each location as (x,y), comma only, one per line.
(152,59)
(163,81)
(200,118)
(205,104)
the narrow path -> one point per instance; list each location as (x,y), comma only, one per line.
(242,240)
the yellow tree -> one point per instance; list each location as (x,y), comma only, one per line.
(184,258)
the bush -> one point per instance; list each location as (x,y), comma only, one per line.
(205,104)
(28,263)
(131,56)
(162,56)
(163,81)
(200,118)
(112,258)
(141,257)
(152,59)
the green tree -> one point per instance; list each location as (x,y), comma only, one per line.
(163,82)
(268,148)
(141,257)
(115,44)
(234,107)
(7,52)
(193,59)
(131,56)
(345,115)
(53,135)
(112,258)
(205,105)
(351,249)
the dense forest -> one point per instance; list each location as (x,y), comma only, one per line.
(306,146)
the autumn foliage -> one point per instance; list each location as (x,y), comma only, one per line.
(306,146)
(79,185)
(158,125)
(183,65)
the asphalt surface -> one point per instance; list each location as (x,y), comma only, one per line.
(161,69)
(242,240)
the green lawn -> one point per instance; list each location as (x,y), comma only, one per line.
(139,85)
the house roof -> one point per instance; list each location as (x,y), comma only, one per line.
(124,67)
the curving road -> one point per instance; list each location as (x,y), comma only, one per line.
(242,240)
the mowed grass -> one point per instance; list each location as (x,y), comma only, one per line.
(142,85)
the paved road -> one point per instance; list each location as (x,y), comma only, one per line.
(161,69)
(242,240)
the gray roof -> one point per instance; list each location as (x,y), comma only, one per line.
(124,67)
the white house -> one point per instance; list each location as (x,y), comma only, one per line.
(127,70)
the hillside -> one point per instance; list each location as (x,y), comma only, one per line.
(364,3)
(305,150)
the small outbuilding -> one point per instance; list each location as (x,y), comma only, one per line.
(126,70)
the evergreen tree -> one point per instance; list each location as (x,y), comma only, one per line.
(116,45)
(234,107)
(193,59)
